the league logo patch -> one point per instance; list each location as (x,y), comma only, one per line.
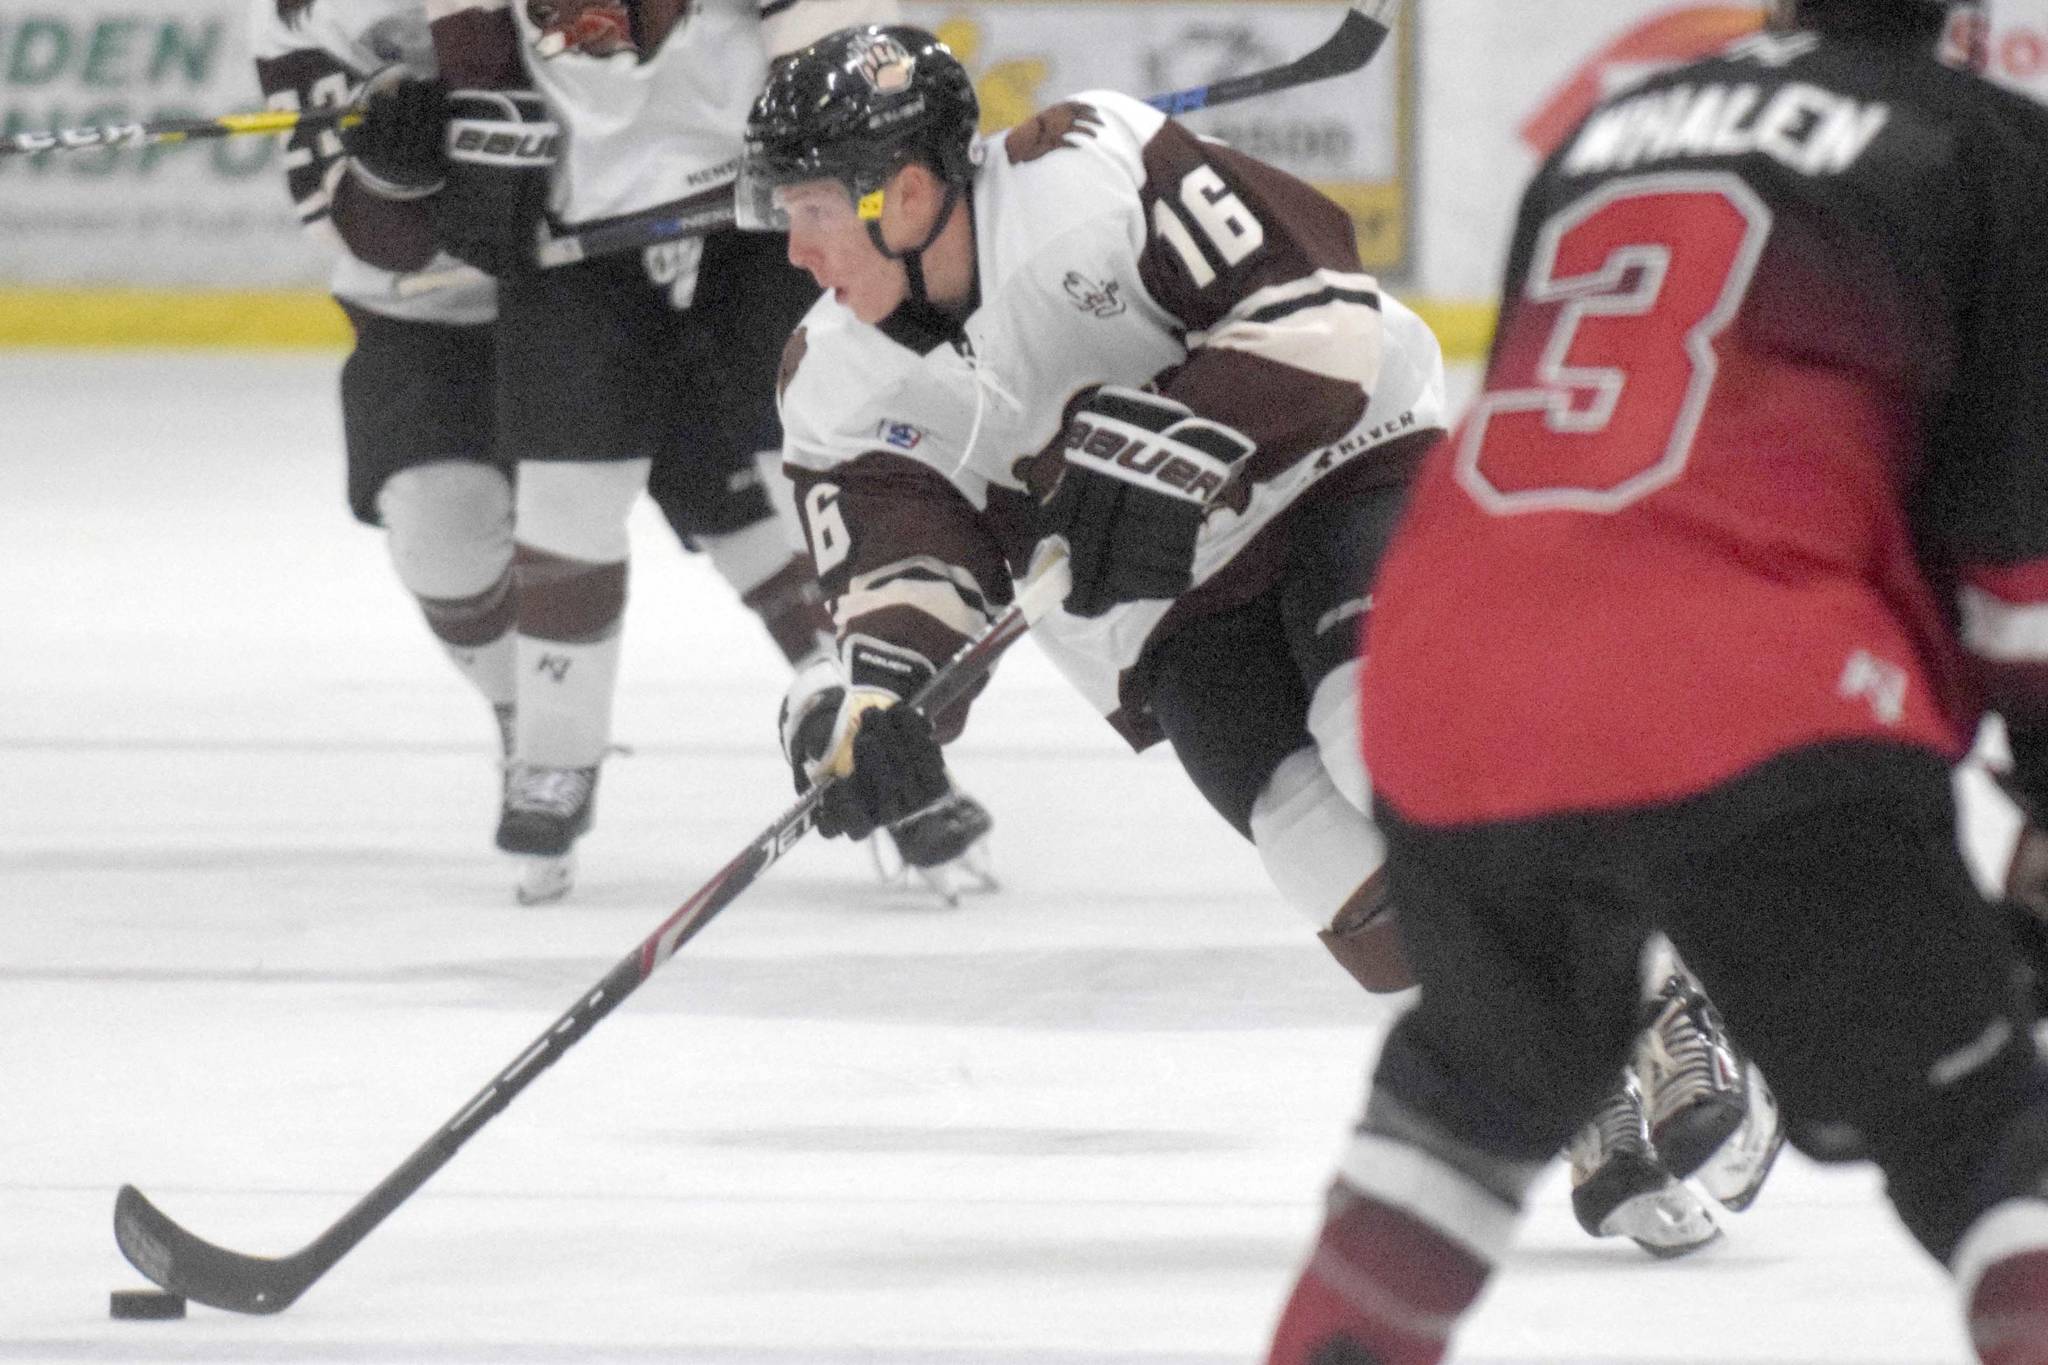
(597,28)
(885,63)
(1100,299)
(901,435)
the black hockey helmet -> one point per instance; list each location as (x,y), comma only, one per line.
(857,106)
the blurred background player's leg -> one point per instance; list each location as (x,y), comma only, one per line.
(571,563)
(417,411)
(449,528)
(581,399)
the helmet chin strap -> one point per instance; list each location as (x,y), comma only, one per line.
(913,257)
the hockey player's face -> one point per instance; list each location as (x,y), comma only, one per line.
(828,239)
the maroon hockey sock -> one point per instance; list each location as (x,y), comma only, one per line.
(2002,1270)
(1382,1287)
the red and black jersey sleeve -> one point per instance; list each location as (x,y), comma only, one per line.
(910,568)
(1263,272)
(1988,449)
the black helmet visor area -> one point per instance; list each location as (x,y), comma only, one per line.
(857,106)
(768,182)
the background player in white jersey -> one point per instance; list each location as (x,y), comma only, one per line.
(419,387)
(651,370)
(1164,354)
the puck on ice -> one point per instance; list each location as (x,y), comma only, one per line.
(146,1303)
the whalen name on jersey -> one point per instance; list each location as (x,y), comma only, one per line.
(1808,129)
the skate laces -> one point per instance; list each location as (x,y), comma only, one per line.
(1690,1058)
(550,791)
(1620,1124)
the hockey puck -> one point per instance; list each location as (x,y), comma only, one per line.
(146,1303)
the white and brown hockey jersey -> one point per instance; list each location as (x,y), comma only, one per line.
(316,54)
(1113,247)
(652,95)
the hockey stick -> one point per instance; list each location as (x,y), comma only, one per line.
(172,130)
(213,1275)
(1357,40)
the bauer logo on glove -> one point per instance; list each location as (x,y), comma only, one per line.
(1134,478)
(1121,433)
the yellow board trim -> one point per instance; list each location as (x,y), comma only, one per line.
(75,318)
(1463,327)
(86,318)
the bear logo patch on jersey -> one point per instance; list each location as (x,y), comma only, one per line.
(1062,125)
(596,28)
(1101,300)
(885,63)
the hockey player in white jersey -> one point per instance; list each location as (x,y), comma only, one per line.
(418,390)
(649,370)
(1103,331)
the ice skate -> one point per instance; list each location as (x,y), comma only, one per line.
(1619,1188)
(1738,1167)
(944,846)
(1692,1079)
(546,810)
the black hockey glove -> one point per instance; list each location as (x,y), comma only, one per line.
(1136,477)
(500,145)
(397,151)
(884,755)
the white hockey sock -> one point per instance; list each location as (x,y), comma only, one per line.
(565,700)
(487,666)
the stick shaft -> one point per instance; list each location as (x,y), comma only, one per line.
(169,131)
(184,1264)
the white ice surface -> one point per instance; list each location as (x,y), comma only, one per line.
(255,948)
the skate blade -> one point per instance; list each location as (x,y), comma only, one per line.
(1668,1222)
(972,872)
(544,880)
(1735,1173)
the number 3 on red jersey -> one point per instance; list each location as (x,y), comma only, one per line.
(1600,384)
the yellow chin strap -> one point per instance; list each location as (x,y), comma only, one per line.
(869,209)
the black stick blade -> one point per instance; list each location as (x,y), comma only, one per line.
(176,1260)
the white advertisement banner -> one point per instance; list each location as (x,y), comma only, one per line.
(205,214)
(1428,148)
